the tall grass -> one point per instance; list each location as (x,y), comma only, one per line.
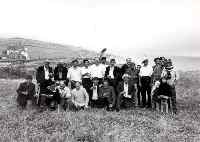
(97,125)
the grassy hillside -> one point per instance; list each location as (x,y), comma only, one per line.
(40,49)
(138,125)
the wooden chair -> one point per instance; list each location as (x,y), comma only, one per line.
(164,106)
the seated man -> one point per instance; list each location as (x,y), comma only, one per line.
(79,98)
(26,92)
(63,95)
(161,88)
(107,96)
(94,92)
(126,93)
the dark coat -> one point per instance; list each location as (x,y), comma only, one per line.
(40,74)
(64,73)
(22,98)
(131,88)
(116,72)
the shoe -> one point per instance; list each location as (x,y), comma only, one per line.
(117,110)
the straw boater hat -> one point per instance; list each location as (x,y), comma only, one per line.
(169,65)
(125,75)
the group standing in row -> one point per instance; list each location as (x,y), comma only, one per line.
(103,85)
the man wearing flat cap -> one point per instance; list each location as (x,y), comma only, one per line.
(26,92)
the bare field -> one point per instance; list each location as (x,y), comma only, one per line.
(96,125)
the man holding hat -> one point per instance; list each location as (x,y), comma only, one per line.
(26,92)
(126,93)
(171,76)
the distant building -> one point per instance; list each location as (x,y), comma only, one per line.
(14,52)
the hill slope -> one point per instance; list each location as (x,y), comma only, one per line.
(39,49)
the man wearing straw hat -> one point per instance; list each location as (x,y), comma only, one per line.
(145,79)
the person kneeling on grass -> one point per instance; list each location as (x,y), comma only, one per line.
(64,93)
(107,96)
(79,98)
(26,92)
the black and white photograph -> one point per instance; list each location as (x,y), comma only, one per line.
(100,71)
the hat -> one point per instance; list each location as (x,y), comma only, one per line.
(157,58)
(145,59)
(46,61)
(29,77)
(62,83)
(169,65)
(95,78)
(125,75)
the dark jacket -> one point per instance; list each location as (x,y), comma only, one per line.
(116,72)
(131,88)
(109,93)
(40,74)
(64,73)
(25,87)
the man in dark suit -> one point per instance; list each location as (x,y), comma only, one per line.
(60,73)
(112,73)
(44,77)
(126,66)
(26,92)
(126,93)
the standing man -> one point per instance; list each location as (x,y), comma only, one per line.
(171,76)
(112,73)
(98,70)
(86,75)
(145,75)
(44,76)
(157,70)
(74,74)
(60,73)
(126,66)
(138,67)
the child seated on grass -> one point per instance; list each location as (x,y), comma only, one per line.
(64,94)
(79,98)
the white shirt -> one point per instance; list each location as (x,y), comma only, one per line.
(46,73)
(98,71)
(111,72)
(64,92)
(85,70)
(74,74)
(146,71)
(126,90)
(95,93)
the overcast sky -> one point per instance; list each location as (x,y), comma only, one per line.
(125,27)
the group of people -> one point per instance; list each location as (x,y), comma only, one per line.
(101,85)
